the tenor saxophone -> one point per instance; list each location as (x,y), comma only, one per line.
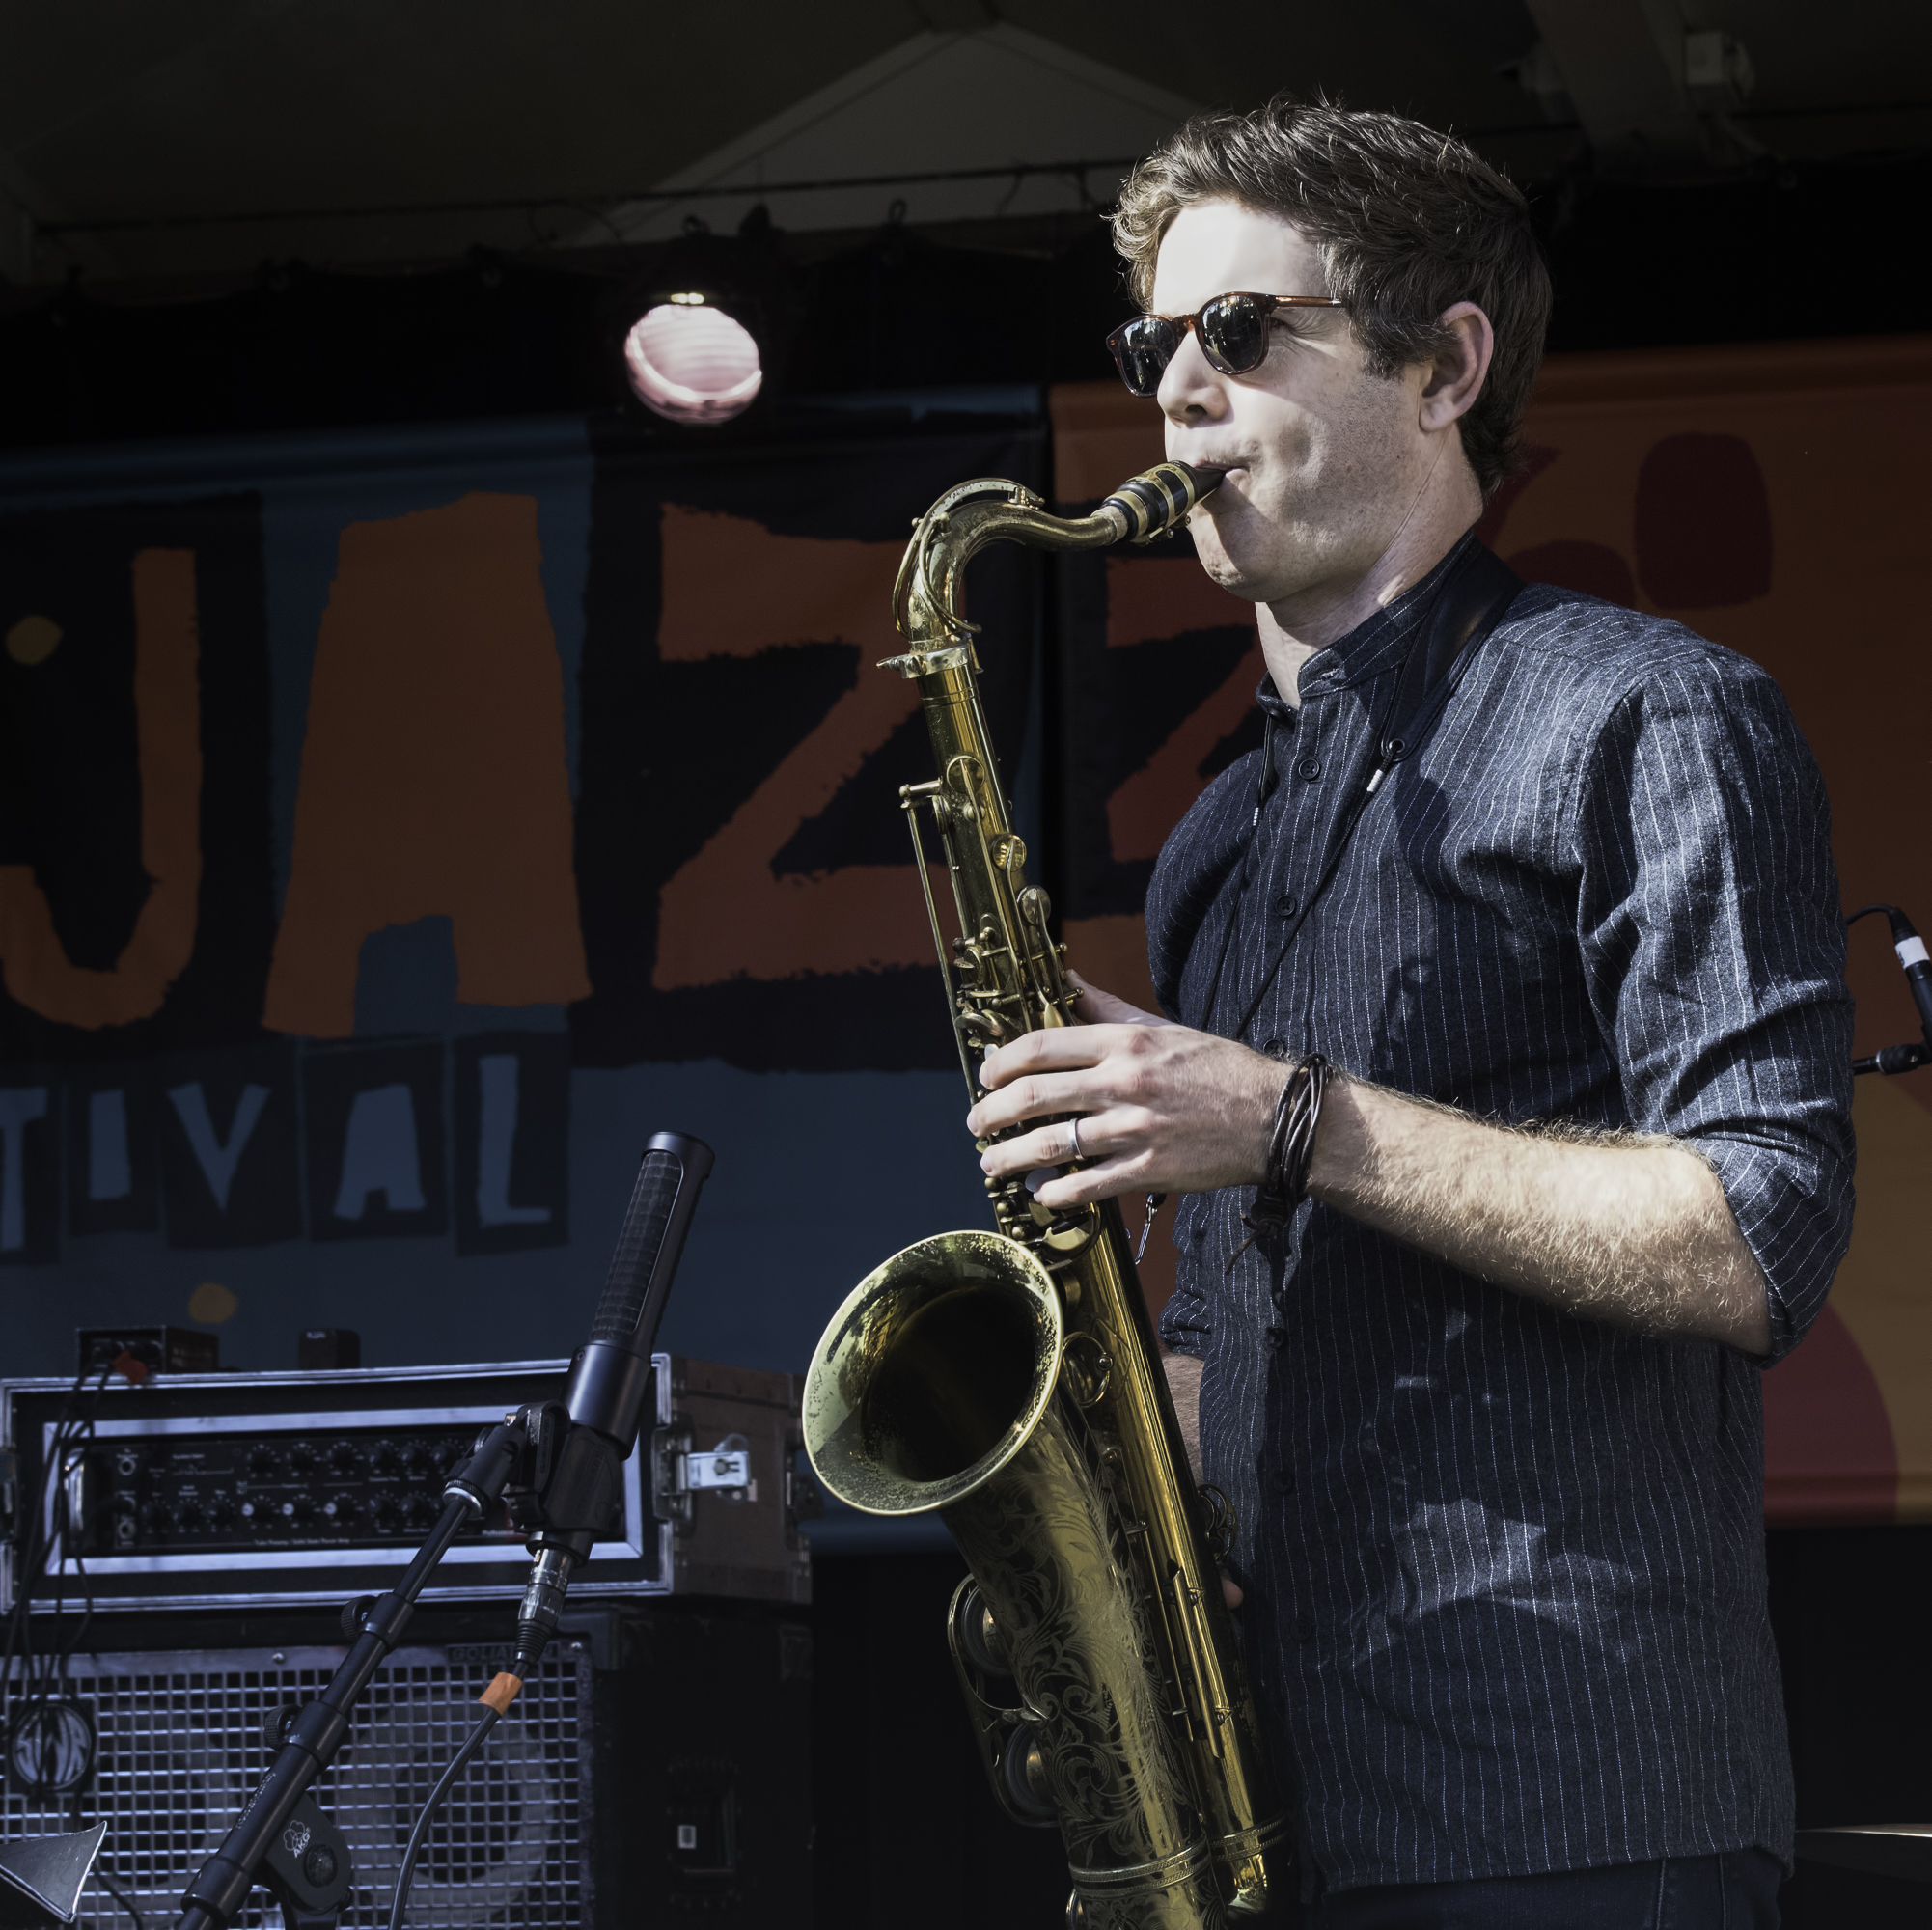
(1010,1380)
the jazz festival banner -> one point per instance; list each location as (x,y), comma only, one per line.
(397,827)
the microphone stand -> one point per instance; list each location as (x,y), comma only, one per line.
(307,1865)
(561,1462)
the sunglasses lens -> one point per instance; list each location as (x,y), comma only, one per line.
(1235,333)
(1142,349)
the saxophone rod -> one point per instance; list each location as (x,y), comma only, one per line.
(1144,509)
(908,802)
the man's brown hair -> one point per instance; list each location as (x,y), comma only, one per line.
(1408,221)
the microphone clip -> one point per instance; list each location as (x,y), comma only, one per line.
(568,1484)
(543,1426)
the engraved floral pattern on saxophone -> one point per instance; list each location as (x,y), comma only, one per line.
(1049,1562)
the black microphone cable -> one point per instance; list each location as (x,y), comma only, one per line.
(25,1711)
(495,1699)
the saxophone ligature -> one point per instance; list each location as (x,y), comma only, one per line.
(1010,1380)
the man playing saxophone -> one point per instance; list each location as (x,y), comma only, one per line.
(1504,1069)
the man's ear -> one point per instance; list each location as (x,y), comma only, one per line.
(1455,378)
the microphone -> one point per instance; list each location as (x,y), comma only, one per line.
(1912,954)
(578,1446)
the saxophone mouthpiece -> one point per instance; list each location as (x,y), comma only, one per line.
(1153,505)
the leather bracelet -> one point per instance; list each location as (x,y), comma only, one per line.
(1284,1177)
(1299,1156)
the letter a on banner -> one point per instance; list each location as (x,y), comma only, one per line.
(434,780)
(380,1154)
(374,1136)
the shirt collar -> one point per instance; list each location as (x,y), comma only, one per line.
(1377,644)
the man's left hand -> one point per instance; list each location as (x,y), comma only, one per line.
(1162,1109)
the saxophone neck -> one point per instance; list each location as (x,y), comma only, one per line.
(928,597)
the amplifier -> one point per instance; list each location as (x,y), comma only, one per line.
(655,1773)
(202,1490)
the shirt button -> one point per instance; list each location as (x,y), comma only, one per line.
(1283,1480)
(1310,768)
(1287,905)
(1277,1338)
(1304,1628)
(1272,1048)
(1199,1231)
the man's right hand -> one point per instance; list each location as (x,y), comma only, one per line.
(1161,1108)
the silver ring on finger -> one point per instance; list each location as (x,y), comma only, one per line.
(1073,1139)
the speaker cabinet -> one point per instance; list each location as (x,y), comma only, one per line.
(656,1774)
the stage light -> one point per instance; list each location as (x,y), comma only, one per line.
(701,332)
(690,362)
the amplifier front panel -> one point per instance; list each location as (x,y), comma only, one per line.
(212,1490)
(229,1491)
(223,1490)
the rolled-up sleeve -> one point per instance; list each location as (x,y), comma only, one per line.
(1712,938)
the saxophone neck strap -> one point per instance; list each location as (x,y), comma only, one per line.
(1475,597)
(1471,600)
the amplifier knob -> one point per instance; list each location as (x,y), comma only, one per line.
(189,1514)
(346,1460)
(302,1460)
(419,1512)
(221,1512)
(382,1512)
(264,1462)
(301,1510)
(420,1462)
(340,1512)
(385,1462)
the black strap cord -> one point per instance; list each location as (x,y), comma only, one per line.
(1264,790)
(1474,596)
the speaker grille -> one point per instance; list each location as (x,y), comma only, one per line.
(180,1746)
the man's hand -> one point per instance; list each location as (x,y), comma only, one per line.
(1613,1228)
(1162,1109)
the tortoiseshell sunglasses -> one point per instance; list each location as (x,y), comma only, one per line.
(1233,332)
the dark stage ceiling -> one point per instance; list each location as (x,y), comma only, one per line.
(192,112)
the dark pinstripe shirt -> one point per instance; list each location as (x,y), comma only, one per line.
(1505,1566)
